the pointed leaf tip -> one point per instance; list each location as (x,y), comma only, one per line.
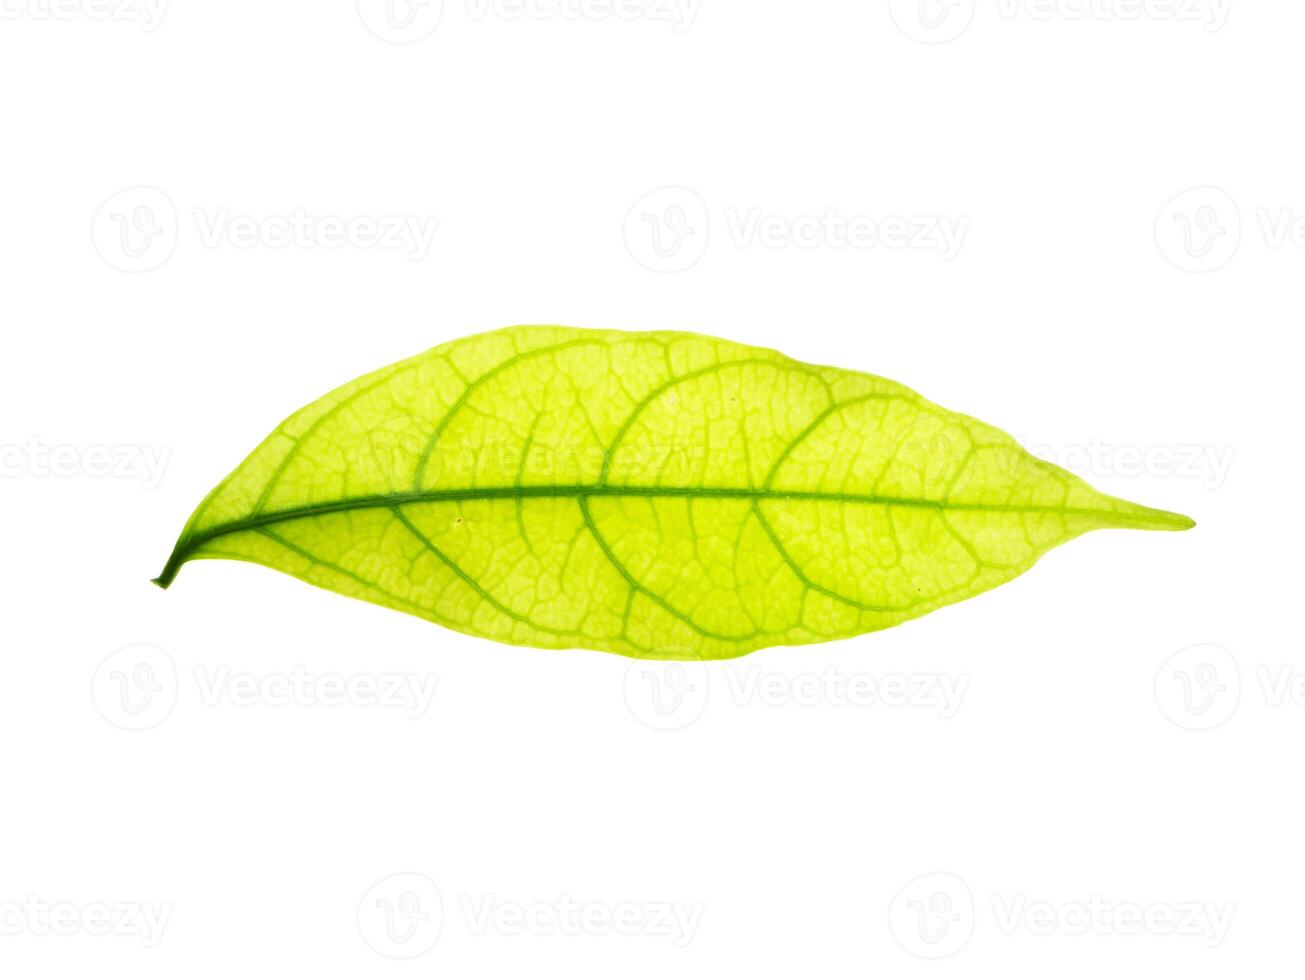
(1153,518)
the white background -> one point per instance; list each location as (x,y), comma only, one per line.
(1143,336)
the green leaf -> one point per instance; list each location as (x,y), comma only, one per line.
(652,494)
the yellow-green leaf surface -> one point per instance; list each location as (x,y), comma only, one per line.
(661,495)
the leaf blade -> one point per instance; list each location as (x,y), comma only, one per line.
(643,492)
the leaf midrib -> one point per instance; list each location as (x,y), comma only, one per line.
(192,542)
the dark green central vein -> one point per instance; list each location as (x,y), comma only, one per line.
(187,546)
